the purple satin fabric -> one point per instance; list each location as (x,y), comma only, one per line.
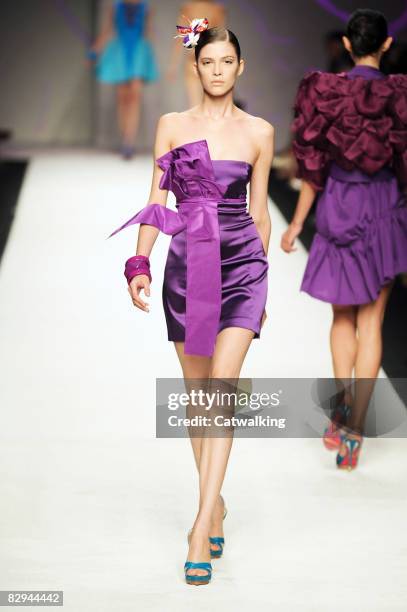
(361,238)
(216,269)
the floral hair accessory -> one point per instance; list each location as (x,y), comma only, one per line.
(190,34)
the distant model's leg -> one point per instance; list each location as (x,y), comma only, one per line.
(369,355)
(231,347)
(122,95)
(132,112)
(368,359)
(344,346)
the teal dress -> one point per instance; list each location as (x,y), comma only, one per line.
(129,55)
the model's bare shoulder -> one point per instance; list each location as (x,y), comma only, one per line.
(262,135)
(257,126)
(167,120)
(262,128)
(167,125)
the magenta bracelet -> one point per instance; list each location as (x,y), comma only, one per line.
(138,264)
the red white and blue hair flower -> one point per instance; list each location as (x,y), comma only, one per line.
(190,34)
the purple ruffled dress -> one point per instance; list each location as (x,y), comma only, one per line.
(350,144)
(216,273)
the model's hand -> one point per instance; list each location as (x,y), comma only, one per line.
(264,317)
(289,236)
(139,282)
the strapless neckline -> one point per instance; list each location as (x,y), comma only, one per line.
(205,142)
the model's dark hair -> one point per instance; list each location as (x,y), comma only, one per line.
(213,35)
(367,30)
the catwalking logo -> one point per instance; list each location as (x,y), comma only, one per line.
(222,421)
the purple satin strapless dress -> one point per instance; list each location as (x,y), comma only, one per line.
(216,273)
(361,219)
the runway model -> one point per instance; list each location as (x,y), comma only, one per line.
(215,279)
(124,55)
(351,147)
(215,13)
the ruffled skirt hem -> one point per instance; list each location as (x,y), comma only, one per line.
(353,274)
(118,64)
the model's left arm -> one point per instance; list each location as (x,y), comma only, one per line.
(149,31)
(106,33)
(258,207)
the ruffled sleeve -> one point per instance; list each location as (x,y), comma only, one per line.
(308,127)
(357,123)
(398,133)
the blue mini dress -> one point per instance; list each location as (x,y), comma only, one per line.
(129,55)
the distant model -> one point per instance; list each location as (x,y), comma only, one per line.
(124,56)
(351,147)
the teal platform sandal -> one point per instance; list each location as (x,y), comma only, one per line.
(197,580)
(219,541)
(216,554)
(216,540)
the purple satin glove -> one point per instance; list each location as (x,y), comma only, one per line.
(138,264)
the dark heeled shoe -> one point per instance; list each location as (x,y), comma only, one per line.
(127,151)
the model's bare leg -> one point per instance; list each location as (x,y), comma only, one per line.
(196,371)
(132,112)
(369,354)
(344,346)
(231,348)
(122,92)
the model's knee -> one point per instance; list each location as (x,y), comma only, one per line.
(224,372)
(370,324)
(134,93)
(345,314)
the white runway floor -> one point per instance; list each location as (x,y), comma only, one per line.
(91,502)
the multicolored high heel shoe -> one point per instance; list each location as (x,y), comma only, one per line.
(333,434)
(198,579)
(350,459)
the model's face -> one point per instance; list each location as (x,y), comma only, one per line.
(218,67)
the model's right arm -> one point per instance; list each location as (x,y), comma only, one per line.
(106,32)
(147,234)
(305,201)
